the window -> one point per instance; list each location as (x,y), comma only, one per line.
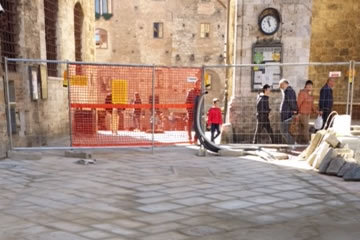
(51,10)
(102,7)
(8,20)
(158,30)
(204,30)
(101,38)
(78,22)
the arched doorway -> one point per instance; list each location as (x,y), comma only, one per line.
(78,24)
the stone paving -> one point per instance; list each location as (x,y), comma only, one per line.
(171,195)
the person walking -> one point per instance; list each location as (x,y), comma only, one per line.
(305,105)
(214,120)
(262,114)
(288,108)
(190,99)
(326,99)
(137,112)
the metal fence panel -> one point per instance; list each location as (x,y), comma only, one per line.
(248,83)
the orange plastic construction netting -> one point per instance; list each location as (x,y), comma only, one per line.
(113,105)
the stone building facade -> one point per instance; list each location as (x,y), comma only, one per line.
(294,34)
(164,32)
(42,29)
(335,38)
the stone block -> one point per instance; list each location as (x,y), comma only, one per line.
(320,153)
(332,140)
(227,134)
(345,168)
(73,154)
(326,161)
(353,174)
(335,165)
(16,155)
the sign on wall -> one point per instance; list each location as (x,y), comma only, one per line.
(268,54)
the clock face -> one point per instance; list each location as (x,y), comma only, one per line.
(269,24)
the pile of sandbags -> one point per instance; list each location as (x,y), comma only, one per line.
(328,155)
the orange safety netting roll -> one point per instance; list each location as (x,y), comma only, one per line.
(113,105)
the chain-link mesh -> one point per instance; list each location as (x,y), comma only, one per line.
(294,123)
(113,105)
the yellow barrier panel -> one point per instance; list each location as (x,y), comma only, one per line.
(119,91)
(77,80)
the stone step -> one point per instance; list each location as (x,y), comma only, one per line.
(355,132)
(355,127)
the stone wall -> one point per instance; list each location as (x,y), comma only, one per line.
(3,127)
(335,38)
(42,120)
(294,34)
(130,35)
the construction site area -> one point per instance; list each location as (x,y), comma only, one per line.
(179,120)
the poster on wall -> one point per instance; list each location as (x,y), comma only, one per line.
(268,54)
(34,83)
(44,83)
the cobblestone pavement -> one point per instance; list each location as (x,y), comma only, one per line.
(171,195)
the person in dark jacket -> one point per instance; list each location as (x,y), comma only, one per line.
(326,99)
(288,108)
(190,100)
(262,115)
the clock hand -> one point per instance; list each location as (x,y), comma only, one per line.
(268,21)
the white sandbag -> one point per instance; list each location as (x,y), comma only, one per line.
(321,152)
(332,140)
(315,142)
(342,125)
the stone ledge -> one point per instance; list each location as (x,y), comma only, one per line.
(16,155)
(72,154)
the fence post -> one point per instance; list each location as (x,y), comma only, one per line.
(153,109)
(8,105)
(203,89)
(69,102)
(352,87)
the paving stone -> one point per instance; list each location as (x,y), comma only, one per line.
(219,196)
(105,200)
(128,223)
(161,218)
(198,220)
(306,201)
(284,205)
(234,204)
(345,168)
(267,219)
(149,194)
(289,195)
(194,201)
(67,226)
(244,194)
(163,227)
(159,207)
(263,199)
(58,235)
(335,203)
(117,229)
(166,236)
(96,234)
(200,231)
(153,199)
